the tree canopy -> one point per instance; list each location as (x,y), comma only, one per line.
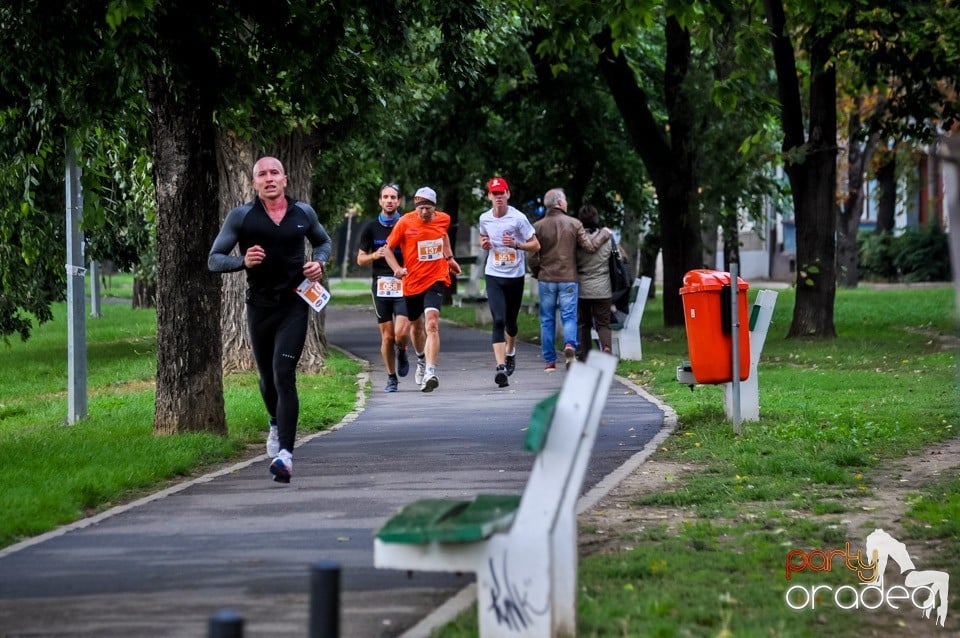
(668,104)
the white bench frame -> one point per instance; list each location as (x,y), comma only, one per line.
(761,317)
(626,340)
(527,575)
(762,312)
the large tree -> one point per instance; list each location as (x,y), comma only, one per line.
(198,64)
(183,93)
(668,65)
(908,47)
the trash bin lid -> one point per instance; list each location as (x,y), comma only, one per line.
(703,279)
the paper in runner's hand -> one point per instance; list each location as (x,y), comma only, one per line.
(314,294)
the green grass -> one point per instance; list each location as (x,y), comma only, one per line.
(54,473)
(831,413)
(351,284)
(117,286)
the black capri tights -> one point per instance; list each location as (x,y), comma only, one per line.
(505,296)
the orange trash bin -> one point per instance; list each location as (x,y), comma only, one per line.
(706,314)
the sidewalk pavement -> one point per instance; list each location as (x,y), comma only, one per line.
(163,565)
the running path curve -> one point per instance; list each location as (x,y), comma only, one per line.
(163,565)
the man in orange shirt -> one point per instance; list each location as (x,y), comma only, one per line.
(428,261)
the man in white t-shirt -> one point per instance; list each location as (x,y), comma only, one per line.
(506,234)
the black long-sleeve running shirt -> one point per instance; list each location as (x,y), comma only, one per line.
(274,281)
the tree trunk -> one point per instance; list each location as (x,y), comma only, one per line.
(297,157)
(887,191)
(235,158)
(680,241)
(669,162)
(182,137)
(850,210)
(812,178)
(814,197)
(189,380)
(144,294)
(647,251)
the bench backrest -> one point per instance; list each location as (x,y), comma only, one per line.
(558,471)
(638,300)
(539,426)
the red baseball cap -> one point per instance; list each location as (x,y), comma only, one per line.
(497,184)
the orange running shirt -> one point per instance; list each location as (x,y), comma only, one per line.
(422,246)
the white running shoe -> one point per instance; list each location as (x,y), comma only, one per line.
(273,442)
(430,383)
(421,370)
(282,467)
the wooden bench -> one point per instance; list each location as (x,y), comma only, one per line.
(523,548)
(625,337)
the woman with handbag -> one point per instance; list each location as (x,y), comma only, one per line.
(595,295)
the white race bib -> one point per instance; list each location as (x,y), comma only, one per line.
(430,249)
(389,287)
(314,294)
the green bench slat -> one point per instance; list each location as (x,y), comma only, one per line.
(464,521)
(411,525)
(451,521)
(540,424)
(486,515)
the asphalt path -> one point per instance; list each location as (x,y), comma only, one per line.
(162,566)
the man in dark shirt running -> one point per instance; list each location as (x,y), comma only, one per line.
(270,231)
(388,301)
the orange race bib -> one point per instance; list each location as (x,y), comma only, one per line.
(504,256)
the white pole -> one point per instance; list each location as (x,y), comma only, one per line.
(735,342)
(949,152)
(346,247)
(760,319)
(95,290)
(76,317)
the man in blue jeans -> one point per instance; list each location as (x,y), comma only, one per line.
(558,285)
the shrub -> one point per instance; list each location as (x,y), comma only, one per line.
(876,256)
(923,254)
(919,254)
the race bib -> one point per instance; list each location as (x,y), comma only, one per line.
(314,294)
(389,287)
(430,249)
(504,256)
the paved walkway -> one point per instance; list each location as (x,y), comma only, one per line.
(163,565)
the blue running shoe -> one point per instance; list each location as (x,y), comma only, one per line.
(403,364)
(281,467)
(392,384)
